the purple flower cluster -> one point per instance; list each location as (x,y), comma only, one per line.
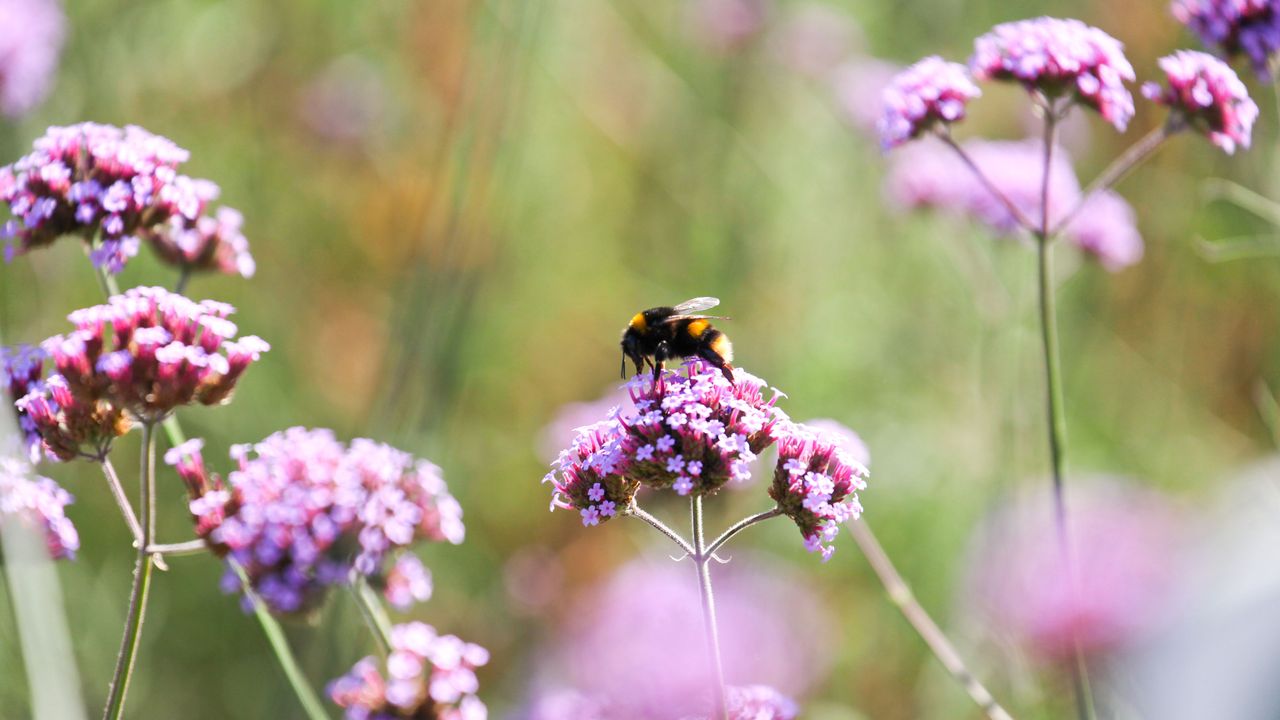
(21,368)
(1060,58)
(40,502)
(816,484)
(31,34)
(121,186)
(691,432)
(925,176)
(148,351)
(930,92)
(1251,27)
(1208,95)
(428,677)
(303,512)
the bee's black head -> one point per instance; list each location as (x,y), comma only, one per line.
(631,349)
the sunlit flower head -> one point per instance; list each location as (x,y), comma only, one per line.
(426,676)
(114,188)
(1235,27)
(1106,228)
(932,92)
(21,368)
(31,35)
(1123,542)
(1061,59)
(816,484)
(149,351)
(1207,94)
(303,512)
(39,503)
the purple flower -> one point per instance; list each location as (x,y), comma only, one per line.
(31,34)
(115,188)
(573,416)
(931,92)
(72,424)
(1251,27)
(1060,58)
(428,675)
(21,368)
(826,494)
(149,351)
(303,511)
(40,503)
(589,472)
(408,582)
(1107,229)
(1123,541)
(1208,95)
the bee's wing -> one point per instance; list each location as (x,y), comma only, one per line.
(697,304)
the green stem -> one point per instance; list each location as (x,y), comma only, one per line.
(141,581)
(1057,417)
(741,525)
(701,559)
(375,616)
(307,697)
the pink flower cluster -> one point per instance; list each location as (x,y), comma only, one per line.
(692,432)
(1209,96)
(149,351)
(816,484)
(31,35)
(428,677)
(303,512)
(39,502)
(118,187)
(1060,58)
(931,92)
(1251,27)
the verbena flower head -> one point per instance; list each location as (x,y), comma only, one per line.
(1123,540)
(149,351)
(816,484)
(929,93)
(40,503)
(1249,27)
(21,368)
(120,186)
(303,512)
(691,431)
(1208,95)
(31,34)
(1106,228)
(1061,59)
(427,676)
(72,424)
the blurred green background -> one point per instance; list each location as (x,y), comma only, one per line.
(455,207)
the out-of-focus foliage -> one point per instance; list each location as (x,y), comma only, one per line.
(455,207)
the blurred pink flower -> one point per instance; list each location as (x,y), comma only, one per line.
(31,34)
(344,101)
(636,643)
(925,95)
(559,433)
(842,436)
(857,85)
(1107,229)
(1123,542)
(727,26)
(814,38)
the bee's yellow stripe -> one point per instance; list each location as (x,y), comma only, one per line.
(638,322)
(722,347)
(697,327)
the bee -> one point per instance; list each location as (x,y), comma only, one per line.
(658,334)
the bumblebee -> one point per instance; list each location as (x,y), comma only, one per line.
(658,334)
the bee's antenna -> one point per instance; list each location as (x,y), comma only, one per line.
(623,371)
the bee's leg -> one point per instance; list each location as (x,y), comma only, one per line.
(660,356)
(713,358)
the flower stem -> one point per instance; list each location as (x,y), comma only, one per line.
(122,500)
(739,526)
(1144,148)
(190,547)
(701,559)
(307,697)
(141,581)
(1056,415)
(902,597)
(1016,212)
(375,616)
(661,527)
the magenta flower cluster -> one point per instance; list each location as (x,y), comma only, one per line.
(816,484)
(428,676)
(931,92)
(1251,27)
(1207,94)
(116,188)
(40,503)
(21,368)
(303,512)
(31,35)
(692,432)
(1060,58)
